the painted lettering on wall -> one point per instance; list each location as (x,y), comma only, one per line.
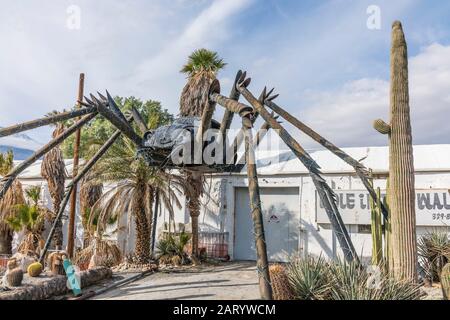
(432,207)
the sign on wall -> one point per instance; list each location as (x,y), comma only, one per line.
(432,207)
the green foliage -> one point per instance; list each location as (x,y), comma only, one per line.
(317,279)
(34,194)
(173,245)
(28,216)
(97,131)
(203,60)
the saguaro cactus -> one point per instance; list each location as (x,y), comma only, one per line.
(401,166)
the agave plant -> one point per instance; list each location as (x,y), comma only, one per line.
(309,278)
(317,279)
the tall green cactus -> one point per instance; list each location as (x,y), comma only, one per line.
(376,228)
(401,166)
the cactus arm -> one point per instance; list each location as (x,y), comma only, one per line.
(381,126)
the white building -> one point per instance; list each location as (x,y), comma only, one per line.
(293,220)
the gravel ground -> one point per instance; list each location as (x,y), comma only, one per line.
(232,280)
(433,293)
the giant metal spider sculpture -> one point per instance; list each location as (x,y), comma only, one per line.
(157,146)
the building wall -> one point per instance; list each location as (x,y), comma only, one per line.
(314,238)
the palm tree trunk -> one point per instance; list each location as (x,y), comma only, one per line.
(195,183)
(154,223)
(142,249)
(5,241)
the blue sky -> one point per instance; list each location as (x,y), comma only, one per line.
(331,71)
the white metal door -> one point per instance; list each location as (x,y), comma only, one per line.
(281,216)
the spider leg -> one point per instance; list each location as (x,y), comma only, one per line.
(325,193)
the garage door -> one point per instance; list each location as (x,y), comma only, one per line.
(281,215)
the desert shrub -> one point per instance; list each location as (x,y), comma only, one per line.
(317,279)
(353,282)
(309,278)
(171,245)
(434,253)
(106,252)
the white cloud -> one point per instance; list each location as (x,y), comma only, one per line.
(138,47)
(345,115)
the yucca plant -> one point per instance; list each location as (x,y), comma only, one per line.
(434,253)
(310,278)
(317,279)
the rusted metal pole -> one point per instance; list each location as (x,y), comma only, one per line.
(228,115)
(24,126)
(326,195)
(76,158)
(259,136)
(6,181)
(262,263)
(139,120)
(111,111)
(361,171)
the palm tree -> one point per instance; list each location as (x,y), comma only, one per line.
(8,204)
(201,68)
(53,170)
(30,218)
(136,186)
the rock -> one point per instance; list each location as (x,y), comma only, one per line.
(47,286)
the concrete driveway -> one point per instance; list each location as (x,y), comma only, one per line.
(229,281)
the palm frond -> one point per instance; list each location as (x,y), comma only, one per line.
(203,60)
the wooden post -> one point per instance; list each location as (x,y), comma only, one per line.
(262,264)
(76,158)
